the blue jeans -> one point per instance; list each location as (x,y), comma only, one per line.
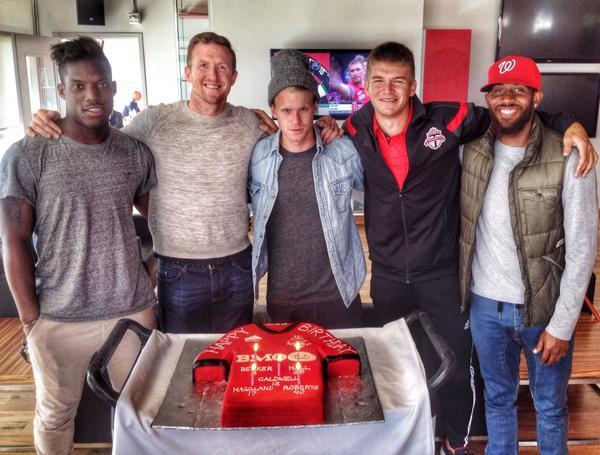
(499,337)
(206,295)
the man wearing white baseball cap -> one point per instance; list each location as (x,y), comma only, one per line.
(527,249)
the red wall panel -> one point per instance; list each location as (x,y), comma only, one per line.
(446,67)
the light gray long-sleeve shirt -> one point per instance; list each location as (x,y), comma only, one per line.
(496,272)
(198,209)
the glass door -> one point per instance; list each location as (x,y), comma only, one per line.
(37,75)
(41,83)
(11,127)
(125,54)
(27,82)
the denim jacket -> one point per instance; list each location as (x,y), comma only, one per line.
(336,170)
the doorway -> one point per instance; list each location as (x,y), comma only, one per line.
(28,82)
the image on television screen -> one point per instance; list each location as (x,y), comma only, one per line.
(341,77)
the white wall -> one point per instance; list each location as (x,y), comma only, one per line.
(16,16)
(254,27)
(158,29)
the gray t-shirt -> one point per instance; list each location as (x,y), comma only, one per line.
(89,265)
(199,207)
(496,270)
(299,268)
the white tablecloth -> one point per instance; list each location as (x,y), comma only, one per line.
(399,377)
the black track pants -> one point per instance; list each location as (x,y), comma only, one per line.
(440,298)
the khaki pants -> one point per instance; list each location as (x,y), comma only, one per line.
(60,354)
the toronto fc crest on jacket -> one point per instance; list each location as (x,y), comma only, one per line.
(275,372)
(434,138)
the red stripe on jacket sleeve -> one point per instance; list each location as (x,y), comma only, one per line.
(350,126)
(458,118)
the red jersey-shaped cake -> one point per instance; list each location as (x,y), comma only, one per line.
(275,372)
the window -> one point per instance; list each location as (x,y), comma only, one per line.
(11,128)
(192,18)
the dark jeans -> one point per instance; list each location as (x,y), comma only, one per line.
(331,315)
(207,295)
(440,298)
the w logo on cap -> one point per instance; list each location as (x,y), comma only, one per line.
(506,66)
(514,69)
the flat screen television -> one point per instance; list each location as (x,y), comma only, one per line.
(550,30)
(340,74)
(577,94)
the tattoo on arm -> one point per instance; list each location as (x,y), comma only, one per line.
(14,211)
(17,218)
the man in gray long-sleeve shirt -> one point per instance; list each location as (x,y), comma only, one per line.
(198,212)
(527,249)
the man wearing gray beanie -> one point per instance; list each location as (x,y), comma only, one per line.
(290,68)
(301,189)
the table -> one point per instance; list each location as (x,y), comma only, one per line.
(397,371)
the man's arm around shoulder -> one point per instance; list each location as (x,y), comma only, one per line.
(46,123)
(142,124)
(346,145)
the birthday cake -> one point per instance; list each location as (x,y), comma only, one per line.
(275,372)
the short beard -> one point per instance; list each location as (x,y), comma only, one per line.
(511,130)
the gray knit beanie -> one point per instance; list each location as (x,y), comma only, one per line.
(289,68)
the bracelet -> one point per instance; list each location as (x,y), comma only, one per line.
(29,324)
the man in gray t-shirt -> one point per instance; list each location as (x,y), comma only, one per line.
(71,199)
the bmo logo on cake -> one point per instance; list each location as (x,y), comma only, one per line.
(296,356)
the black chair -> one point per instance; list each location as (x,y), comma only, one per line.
(8,308)
(94,415)
(145,238)
(590,294)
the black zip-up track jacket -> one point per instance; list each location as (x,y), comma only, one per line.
(412,232)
